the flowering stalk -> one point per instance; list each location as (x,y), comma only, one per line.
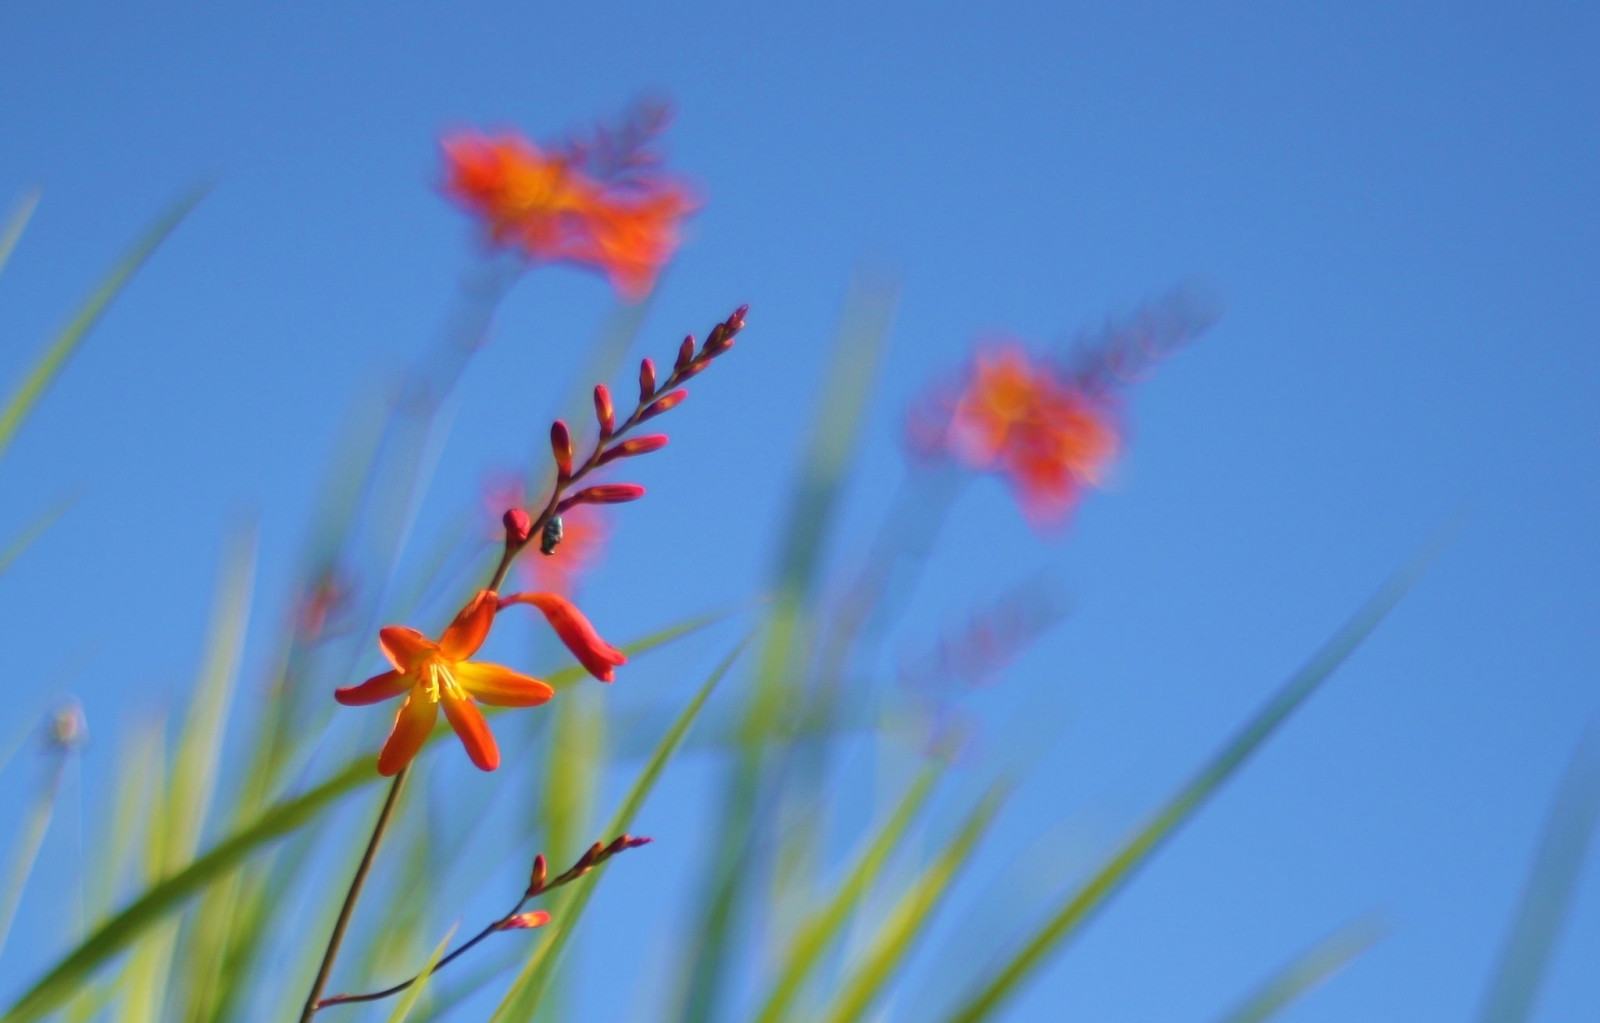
(513,920)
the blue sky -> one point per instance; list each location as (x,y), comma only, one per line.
(1395,203)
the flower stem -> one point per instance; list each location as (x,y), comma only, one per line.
(356,882)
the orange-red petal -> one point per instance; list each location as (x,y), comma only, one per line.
(465,717)
(471,627)
(374,690)
(404,646)
(411,728)
(594,653)
(499,686)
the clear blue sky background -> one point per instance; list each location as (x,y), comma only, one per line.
(1397,203)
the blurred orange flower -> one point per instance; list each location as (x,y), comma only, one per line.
(551,207)
(441,675)
(1027,420)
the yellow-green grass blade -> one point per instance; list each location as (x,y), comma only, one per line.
(1109,879)
(21,213)
(835,434)
(522,999)
(282,818)
(871,972)
(37,528)
(1549,890)
(413,994)
(55,356)
(1307,972)
(818,932)
(35,824)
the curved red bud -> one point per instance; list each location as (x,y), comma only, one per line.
(685,354)
(636,446)
(603,410)
(664,403)
(561,447)
(605,493)
(595,654)
(518,527)
(647,380)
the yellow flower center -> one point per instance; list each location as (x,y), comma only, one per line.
(440,681)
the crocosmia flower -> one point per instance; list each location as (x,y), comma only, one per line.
(549,204)
(1027,420)
(441,675)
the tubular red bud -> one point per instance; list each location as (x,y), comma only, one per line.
(603,410)
(617,845)
(518,527)
(647,380)
(685,354)
(561,447)
(636,842)
(597,656)
(540,871)
(636,446)
(605,493)
(524,921)
(665,402)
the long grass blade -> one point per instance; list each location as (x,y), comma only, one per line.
(30,840)
(1308,972)
(21,213)
(413,994)
(906,922)
(37,528)
(1548,893)
(817,934)
(522,999)
(55,356)
(1139,847)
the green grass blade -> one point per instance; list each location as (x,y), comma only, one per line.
(1138,848)
(522,999)
(908,919)
(413,994)
(1307,972)
(44,371)
(37,528)
(1548,893)
(29,841)
(817,933)
(18,222)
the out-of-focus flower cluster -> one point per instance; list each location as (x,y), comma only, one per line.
(601,202)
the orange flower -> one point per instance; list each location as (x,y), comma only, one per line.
(546,204)
(1027,420)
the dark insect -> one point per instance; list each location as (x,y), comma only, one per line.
(551,536)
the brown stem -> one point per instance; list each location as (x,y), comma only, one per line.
(346,910)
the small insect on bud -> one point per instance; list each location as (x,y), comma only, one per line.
(603,410)
(561,447)
(525,921)
(685,354)
(536,879)
(553,531)
(635,446)
(605,493)
(647,380)
(663,403)
(518,527)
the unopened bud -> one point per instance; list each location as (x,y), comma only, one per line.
(536,879)
(524,921)
(685,354)
(617,845)
(605,493)
(591,854)
(518,527)
(636,446)
(664,403)
(561,447)
(647,380)
(603,410)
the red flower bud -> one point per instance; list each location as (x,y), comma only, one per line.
(518,527)
(636,446)
(603,410)
(575,631)
(605,493)
(664,403)
(523,921)
(536,879)
(561,447)
(647,380)
(685,354)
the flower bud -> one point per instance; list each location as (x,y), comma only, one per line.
(518,527)
(540,870)
(603,410)
(524,921)
(685,355)
(636,446)
(604,493)
(664,403)
(647,380)
(561,447)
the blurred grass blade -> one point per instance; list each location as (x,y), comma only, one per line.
(1300,977)
(413,994)
(16,224)
(1132,854)
(522,999)
(1548,893)
(44,371)
(908,920)
(817,933)
(37,528)
(34,827)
